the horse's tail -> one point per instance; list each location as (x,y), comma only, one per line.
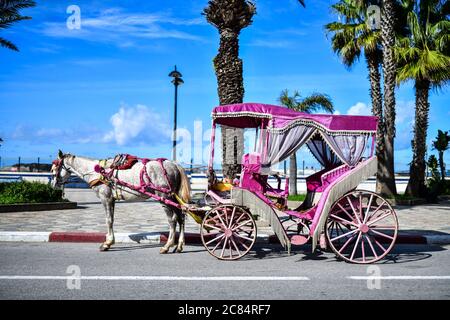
(184,190)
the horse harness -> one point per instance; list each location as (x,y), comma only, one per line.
(109,175)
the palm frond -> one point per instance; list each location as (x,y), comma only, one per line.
(8,44)
(315,102)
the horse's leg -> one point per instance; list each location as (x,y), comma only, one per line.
(108,202)
(181,221)
(172,218)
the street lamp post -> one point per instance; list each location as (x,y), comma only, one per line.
(176,75)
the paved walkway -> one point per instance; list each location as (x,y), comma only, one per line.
(150,217)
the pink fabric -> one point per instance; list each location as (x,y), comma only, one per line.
(339,177)
(282,117)
(251,167)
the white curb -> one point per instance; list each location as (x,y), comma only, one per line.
(24,236)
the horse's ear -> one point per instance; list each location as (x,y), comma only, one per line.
(60,154)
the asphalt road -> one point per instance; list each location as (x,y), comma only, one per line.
(80,271)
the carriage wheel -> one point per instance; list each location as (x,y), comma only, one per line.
(232,232)
(361,227)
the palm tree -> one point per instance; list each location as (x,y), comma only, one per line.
(230,17)
(310,104)
(10,14)
(441,144)
(424,57)
(386,174)
(349,39)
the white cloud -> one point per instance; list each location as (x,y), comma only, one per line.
(360,108)
(404,111)
(131,126)
(136,124)
(404,124)
(270,43)
(404,121)
(117,27)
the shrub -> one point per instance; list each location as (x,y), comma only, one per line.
(297,197)
(28,192)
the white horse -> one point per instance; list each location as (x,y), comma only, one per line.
(108,193)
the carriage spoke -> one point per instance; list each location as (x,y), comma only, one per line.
(215,239)
(220,218)
(345,234)
(346,243)
(243,237)
(232,216)
(379,245)
(353,209)
(217,245)
(223,248)
(368,208)
(212,227)
(362,249)
(235,246)
(343,220)
(340,227)
(356,246)
(240,218)
(369,223)
(382,227)
(241,225)
(345,211)
(371,246)
(382,234)
(361,207)
(378,208)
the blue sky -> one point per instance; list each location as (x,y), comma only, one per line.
(105,89)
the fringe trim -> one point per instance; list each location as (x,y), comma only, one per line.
(291,124)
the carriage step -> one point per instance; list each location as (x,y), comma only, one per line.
(299,240)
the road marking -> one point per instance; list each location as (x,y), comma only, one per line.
(399,277)
(155,278)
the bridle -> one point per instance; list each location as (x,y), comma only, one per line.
(59,164)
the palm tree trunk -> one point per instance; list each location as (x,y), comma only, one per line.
(228,68)
(441,164)
(416,185)
(386,174)
(293,174)
(373,65)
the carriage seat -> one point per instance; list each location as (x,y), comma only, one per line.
(251,179)
(319,181)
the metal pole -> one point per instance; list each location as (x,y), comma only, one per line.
(174,150)
(39,160)
(303,167)
(18,168)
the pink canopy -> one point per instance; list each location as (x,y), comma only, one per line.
(287,130)
(249,115)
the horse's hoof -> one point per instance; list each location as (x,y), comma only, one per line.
(163,250)
(179,249)
(104,247)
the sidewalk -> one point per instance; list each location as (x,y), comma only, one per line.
(148,220)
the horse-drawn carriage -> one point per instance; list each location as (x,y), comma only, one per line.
(359,226)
